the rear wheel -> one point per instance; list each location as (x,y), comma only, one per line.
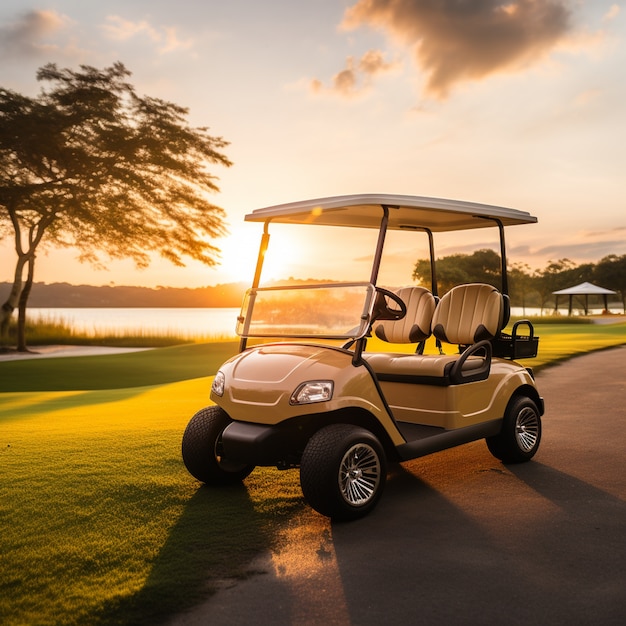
(201,449)
(343,471)
(519,438)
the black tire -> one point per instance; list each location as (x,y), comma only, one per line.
(343,471)
(519,439)
(201,449)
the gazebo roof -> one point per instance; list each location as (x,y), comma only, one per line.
(584,289)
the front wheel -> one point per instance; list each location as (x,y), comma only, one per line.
(201,449)
(519,438)
(343,471)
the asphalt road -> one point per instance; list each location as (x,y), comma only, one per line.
(458,538)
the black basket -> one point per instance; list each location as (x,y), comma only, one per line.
(516,346)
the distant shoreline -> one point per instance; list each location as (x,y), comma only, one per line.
(66,296)
(136,306)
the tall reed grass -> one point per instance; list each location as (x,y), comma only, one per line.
(58,331)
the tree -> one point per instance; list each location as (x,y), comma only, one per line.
(92,165)
(482,266)
(610,273)
(553,277)
(520,284)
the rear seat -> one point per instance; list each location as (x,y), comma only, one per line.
(468,316)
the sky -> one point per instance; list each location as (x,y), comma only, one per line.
(517,103)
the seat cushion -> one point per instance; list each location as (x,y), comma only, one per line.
(418,364)
(415,325)
(468,314)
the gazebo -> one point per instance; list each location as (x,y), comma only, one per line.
(584,289)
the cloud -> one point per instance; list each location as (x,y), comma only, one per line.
(455,40)
(121,30)
(592,251)
(612,13)
(26,37)
(356,77)
(166,38)
(579,252)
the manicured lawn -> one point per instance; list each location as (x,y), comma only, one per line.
(100,521)
(562,341)
(134,369)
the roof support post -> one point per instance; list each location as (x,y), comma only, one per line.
(505,281)
(433,270)
(382,232)
(265,240)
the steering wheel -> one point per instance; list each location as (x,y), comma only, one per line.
(382,310)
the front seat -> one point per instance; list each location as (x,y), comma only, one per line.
(415,326)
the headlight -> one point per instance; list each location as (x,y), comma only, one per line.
(218,384)
(312,391)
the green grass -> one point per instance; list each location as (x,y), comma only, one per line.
(136,369)
(101,524)
(562,341)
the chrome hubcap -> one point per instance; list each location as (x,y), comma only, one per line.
(527,429)
(359,474)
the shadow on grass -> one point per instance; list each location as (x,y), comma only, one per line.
(134,369)
(203,547)
(77,399)
(213,543)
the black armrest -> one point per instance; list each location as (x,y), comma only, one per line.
(458,376)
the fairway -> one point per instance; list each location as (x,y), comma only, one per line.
(101,523)
(135,369)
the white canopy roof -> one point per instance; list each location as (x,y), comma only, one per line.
(405,212)
(584,289)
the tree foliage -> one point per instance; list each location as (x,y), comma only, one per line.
(527,287)
(610,272)
(482,266)
(90,164)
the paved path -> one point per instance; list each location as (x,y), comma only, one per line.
(45,352)
(458,538)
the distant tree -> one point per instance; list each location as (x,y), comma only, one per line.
(92,165)
(556,275)
(520,284)
(482,266)
(610,273)
(577,274)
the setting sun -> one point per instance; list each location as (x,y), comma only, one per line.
(240,252)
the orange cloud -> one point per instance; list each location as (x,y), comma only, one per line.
(356,77)
(25,36)
(455,41)
(166,38)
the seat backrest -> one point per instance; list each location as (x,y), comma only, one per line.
(415,325)
(468,314)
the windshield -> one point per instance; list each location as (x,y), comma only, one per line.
(329,311)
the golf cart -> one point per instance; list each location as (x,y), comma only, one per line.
(305,391)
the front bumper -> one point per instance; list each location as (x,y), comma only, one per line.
(259,444)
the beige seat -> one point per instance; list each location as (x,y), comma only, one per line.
(415,326)
(469,316)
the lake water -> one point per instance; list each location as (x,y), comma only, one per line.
(207,323)
(187,323)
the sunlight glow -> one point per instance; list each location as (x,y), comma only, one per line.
(241,249)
